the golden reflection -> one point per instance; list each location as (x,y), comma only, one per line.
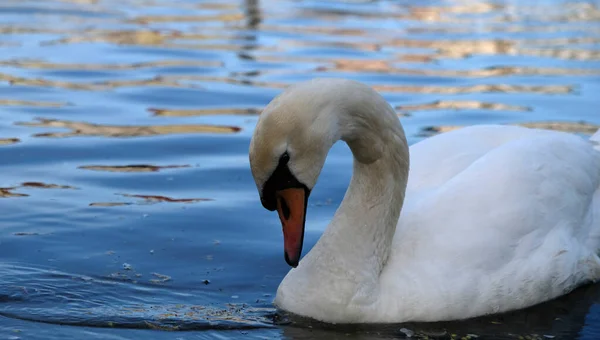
(8,141)
(416,58)
(384,66)
(481,88)
(462,105)
(137,37)
(460,48)
(324,30)
(570,127)
(99,86)
(28,30)
(11,102)
(225,17)
(572,54)
(87,129)
(204,112)
(145,37)
(446,13)
(40,64)
(131,168)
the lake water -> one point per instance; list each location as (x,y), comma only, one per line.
(128,208)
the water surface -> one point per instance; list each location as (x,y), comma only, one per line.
(128,208)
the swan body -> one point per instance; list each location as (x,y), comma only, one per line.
(480,220)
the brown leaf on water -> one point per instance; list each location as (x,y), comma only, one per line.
(158,198)
(8,192)
(88,129)
(45,185)
(131,167)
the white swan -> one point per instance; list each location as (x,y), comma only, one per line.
(494,218)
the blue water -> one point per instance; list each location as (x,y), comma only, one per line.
(128,207)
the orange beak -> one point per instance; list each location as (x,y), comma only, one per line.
(291,207)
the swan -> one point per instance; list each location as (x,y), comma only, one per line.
(476,221)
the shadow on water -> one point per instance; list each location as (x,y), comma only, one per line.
(128,205)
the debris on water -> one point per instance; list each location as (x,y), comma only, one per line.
(433,333)
(110,252)
(25,233)
(206,282)
(127,266)
(45,185)
(407,332)
(152,251)
(161,327)
(160,278)
(216,242)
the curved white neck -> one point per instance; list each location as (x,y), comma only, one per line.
(357,241)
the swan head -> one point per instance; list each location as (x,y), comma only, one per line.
(288,149)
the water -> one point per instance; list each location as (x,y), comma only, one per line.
(128,208)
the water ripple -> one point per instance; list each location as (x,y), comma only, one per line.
(128,204)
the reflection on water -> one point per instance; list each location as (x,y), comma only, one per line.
(157,198)
(6,141)
(462,105)
(125,236)
(204,112)
(40,64)
(581,128)
(86,129)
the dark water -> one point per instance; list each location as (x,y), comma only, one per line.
(128,208)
